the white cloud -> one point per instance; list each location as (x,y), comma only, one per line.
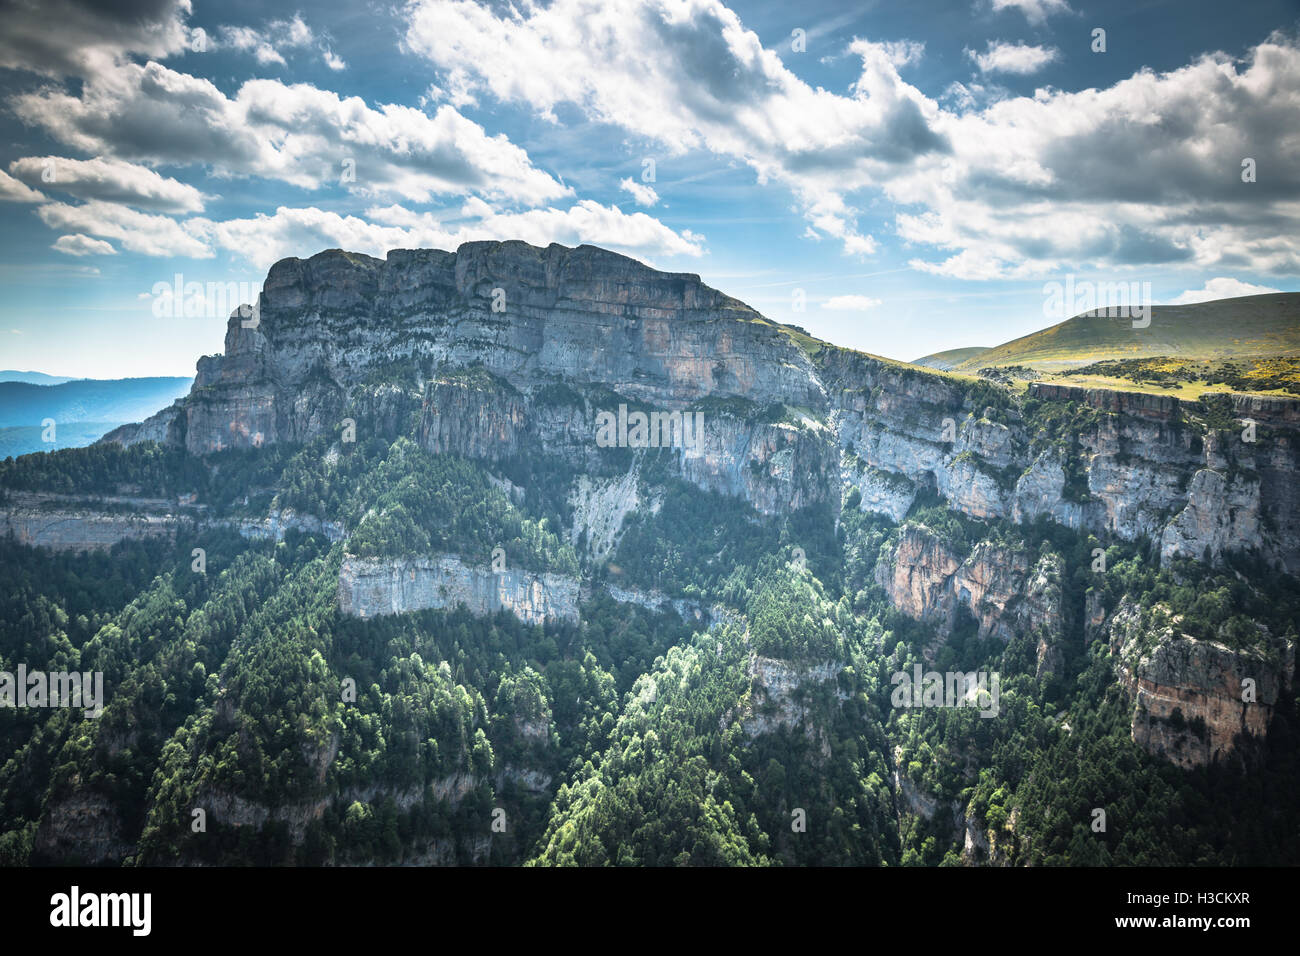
(1035,185)
(79,245)
(11,190)
(1035,11)
(76,37)
(1221,287)
(268,44)
(109,179)
(642,194)
(264,239)
(1015,58)
(248,40)
(332,61)
(137,231)
(850,303)
(686,74)
(297,133)
(1017,187)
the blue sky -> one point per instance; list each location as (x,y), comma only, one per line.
(895,177)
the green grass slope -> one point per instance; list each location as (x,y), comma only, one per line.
(947,360)
(1224,328)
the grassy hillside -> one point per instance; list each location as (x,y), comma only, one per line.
(950,359)
(1263,325)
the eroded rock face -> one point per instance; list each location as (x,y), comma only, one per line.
(918,577)
(926,580)
(526,315)
(778,690)
(81,530)
(503,350)
(1193,703)
(599,509)
(371,587)
(82,827)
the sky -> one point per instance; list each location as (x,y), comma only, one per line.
(899,178)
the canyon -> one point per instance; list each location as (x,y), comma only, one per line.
(504,351)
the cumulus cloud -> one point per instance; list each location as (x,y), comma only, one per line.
(1220,287)
(1142,173)
(1017,58)
(264,239)
(109,179)
(152,235)
(74,37)
(297,134)
(686,74)
(269,44)
(850,303)
(642,194)
(1035,11)
(79,245)
(11,190)
(1145,172)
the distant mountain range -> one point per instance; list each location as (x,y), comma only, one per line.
(82,409)
(33,378)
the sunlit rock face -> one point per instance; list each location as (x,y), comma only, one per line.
(1195,702)
(376,587)
(501,351)
(1001,586)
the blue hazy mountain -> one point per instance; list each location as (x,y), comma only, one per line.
(82,409)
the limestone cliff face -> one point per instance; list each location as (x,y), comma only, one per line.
(65,523)
(998,585)
(780,696)
(374,587)
(527,315)
(1150,465)
(502,350)
(1195,701)
(1154,471)
(80,528)
(599,509)
(82,828)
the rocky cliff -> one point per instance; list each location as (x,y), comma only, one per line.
(1195,701)
(1001,586)
(503,350)
(373,587)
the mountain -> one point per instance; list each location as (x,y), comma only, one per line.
(950,359)
(1255,325)
(82,409)
(24,439)
(415,344)
(32,378)
(517,555)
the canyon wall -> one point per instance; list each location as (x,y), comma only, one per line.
(373,587)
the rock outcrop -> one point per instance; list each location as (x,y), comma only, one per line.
(370,587)
(778,694)
(1195,701)
(502,350)
(996,584)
